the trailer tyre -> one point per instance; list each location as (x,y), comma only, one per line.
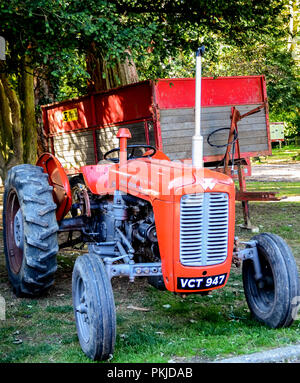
(29,230)
(273,300)
(94,307)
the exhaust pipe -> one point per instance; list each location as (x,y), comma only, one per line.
(197,143)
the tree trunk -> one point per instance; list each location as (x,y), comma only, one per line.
(29,121)
(105,77)
(11,154)
(43,95)
(5,122)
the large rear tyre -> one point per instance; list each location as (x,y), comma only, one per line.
(29,230)
(94,307)
(272,299)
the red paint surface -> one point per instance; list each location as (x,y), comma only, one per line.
(55,115)
(162,183)
(222,91)
(58,179)
(142,101)
(134,102)
(124,104)
(127,103)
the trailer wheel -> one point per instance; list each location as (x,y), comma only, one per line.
(271,299)
(94,307)
(29,230)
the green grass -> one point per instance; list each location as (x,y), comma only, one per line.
(209,327)
(206,327)
(287,154)
(283,189)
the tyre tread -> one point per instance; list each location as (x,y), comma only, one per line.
(40,234)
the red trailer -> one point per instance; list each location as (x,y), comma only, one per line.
(161,113)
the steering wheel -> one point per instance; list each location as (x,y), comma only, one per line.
(130,154)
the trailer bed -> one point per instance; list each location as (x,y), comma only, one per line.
(159,113)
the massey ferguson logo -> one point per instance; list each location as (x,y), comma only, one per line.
(208,183)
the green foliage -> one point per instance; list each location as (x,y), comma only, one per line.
(271,58)
(263,51)
(57,34)
(290,117)
(242,38)
(69,77)
(185,25)
(250,39)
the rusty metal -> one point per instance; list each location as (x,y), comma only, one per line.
(87,204)
(15,253)
(237,163)
(256,196)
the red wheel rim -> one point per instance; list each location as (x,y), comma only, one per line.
(15,254)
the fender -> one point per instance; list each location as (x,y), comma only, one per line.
(59,180)
(159,155)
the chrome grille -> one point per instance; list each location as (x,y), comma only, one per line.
(203,229)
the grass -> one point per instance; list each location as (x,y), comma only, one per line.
(173,329)
(283,189)
(287,154)
(214,326)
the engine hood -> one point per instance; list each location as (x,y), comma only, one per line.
(152,178)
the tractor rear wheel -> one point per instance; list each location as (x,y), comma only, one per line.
(94,307)
(271,300)
(29,230)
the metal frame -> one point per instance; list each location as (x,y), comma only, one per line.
(236,163)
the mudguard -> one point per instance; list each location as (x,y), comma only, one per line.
(59,180)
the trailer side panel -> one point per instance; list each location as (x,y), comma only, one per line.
(178,126)
(175,100)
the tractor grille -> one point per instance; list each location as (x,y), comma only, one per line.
(203,229)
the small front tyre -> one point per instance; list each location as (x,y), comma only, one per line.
(271,300)
(94,307)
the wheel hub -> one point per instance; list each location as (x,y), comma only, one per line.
(19,229)
(81,309)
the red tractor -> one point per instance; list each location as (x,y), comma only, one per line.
(141,215)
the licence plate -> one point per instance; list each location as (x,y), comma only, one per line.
(201,283)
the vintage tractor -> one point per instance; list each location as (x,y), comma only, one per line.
(141,215)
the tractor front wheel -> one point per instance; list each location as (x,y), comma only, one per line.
(273,297)
(94,307)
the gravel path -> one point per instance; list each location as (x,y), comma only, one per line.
(273,173)
(289,354)
(277,173)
